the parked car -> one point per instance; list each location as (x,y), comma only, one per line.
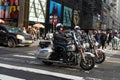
(13,36)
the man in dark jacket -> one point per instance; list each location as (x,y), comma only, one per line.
(110,37)
(97,37)
(103,39)
(59,36)
(60,41)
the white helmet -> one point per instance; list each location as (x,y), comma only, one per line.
(59,25)
(77,28)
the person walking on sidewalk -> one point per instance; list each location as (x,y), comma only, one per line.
(103,39)
(115,40)
(109,37)
(97,37)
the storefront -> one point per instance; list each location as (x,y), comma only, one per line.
(65,12)
(68,12)
(23,13)
(51,12)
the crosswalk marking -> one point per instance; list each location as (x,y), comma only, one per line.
(39,71)
(30,53)
(1,47)
(6,77)
(24,56)
(113,61)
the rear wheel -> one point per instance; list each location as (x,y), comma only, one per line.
(88,63)
(11,43)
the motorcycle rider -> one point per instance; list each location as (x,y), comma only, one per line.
(78,32)
(60,41)
(59,36)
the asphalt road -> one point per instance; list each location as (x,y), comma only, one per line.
(20,64)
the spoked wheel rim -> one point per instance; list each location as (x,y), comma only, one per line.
(88,63)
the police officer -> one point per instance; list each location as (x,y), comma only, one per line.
(59,36)
(60,41)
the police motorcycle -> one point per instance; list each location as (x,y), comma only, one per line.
(76,56)
(93,48)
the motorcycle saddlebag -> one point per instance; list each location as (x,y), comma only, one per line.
(44,53)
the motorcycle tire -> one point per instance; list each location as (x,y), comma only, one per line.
(88,64)
(47,63)
(100,59)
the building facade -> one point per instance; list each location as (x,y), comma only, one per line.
(85,13)
(106,14)
(114,14)
(91,14)
(111,14)
(50,12)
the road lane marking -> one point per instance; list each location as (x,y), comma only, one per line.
(44,72)
(1,46)
(23,56)
(113,61)
(30,53)
(6,77)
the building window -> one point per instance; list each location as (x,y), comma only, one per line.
(37,10)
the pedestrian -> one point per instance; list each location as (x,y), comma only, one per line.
(109,37)
(97,37)
(24,30)
(37,33)
(115,40)
(31,31)
(103,38)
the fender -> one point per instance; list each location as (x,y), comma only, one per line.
(101,51)
(88,54)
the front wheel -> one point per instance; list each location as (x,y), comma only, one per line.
(88,63)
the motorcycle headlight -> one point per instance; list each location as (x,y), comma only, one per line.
(20,37)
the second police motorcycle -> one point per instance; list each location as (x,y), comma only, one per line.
(93,48)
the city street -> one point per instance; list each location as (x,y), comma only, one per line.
(20,64)
(72,26)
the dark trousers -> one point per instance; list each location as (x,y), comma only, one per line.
(61,49)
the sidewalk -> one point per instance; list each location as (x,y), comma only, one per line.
(111,51)
(112,56)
